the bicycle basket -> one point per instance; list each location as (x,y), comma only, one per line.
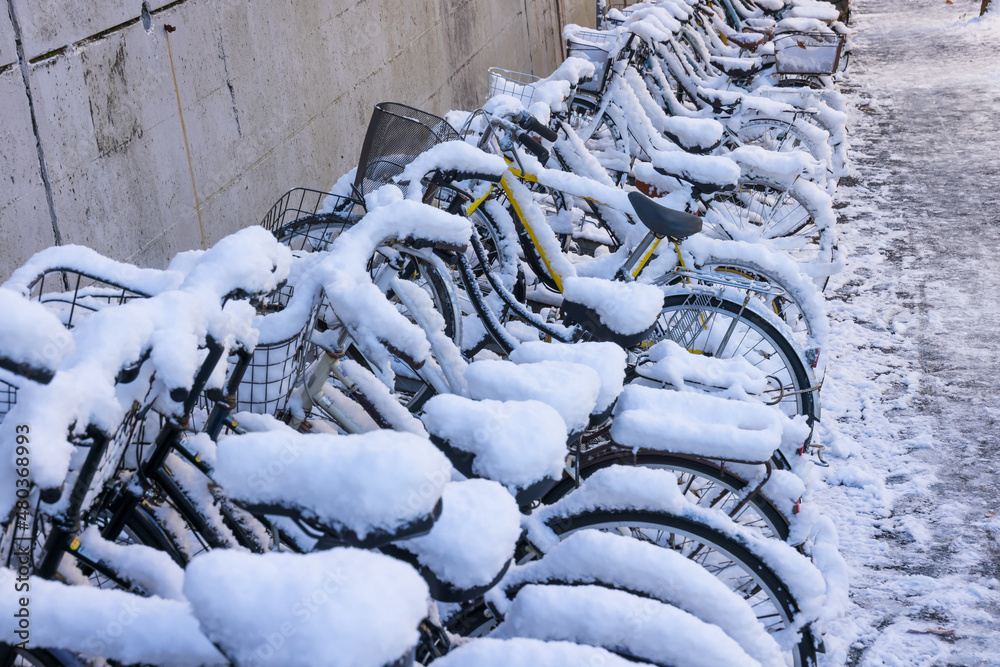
(620,14)
(72,294)
(396,135)
(300,203)
(803,53)
(275,367)
(512,84)
(595,46)
(8,397)
(309,220)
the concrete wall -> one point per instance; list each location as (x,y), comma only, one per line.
(137,142)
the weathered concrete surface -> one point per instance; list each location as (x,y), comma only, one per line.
(156,142)
(8,53)
(24,213)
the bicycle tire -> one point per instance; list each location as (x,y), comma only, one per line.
(788,307)
(478,271)
(704,483)
(734,564)
(430,278)
(784,220)
(705,323)
(781,136)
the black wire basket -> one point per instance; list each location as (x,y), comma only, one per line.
(8,397)
(72,294)
(308,220)
(277,365)
(595,46)
(396,135)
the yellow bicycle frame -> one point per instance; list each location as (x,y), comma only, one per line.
(504,184)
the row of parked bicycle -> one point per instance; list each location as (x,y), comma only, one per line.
(534,384)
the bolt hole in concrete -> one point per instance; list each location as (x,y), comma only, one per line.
(147,20)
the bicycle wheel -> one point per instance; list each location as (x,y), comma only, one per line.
(704,483)
(781,136)
(788,307)
(785,220)
(704,323)
(140,529)
(735,565)
(490,265)
(426,273)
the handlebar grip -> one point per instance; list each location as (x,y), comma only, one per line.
(533,147)
(532,124)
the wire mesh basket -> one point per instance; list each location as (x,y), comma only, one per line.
(275,367)
(396,135)
(616,13)
(801,53)
(596,46)
(309,220)
(8,397)
(73,294)
(513,84)
(300,203)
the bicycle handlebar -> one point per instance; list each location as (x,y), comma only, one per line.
(528,122)
(533,147)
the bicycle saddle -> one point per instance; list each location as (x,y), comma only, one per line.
(664,221)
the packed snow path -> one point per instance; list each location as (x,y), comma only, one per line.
(912,399)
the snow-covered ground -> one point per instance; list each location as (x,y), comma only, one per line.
(911,397)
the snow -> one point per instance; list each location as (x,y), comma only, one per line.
(493,652)
(669,363)
(909,372)
(342,274)
(652,489)
(384,402)
(515,443)
(170,326)
(625,308)
(89,262)
(473,540)
(909,397)
(698,168)
(695,423)
(364,483)
(780,168)
(634,626)
(294,609)
(31,334)
(154,571)
(607,359)
(592,557)
(572,389)
(108,623)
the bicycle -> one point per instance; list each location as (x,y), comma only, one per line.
(494,267)
(62,534)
